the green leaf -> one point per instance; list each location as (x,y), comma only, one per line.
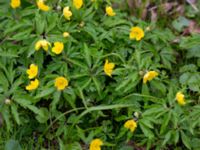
(56,98)
(147,132)
(15,113)
(165,122)
(180,23)
(186,140)
(42,115)
(52,20)
(70,97)
(81,134)
(12,145)
(123,84)
(45,92)
(159,86)
(73,146)
(153,110)
(167,137)
(147,122)
(4,81)
(6,116)
(87,55)
(40,23)
(97,84)
(176,136)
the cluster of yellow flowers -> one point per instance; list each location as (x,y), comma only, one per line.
(42,6)
(57,48)
(60,82)
(32,73)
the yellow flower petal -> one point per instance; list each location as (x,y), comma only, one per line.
(136,33)
(109,11)
(42,43)
(32,71)
(67,13)
(60,83)
(131,125)
(149,76)
(33,85)
(180,98)
(15,3)
(96,144)
(41,5)
(58,47)
(78,3)
(108,68)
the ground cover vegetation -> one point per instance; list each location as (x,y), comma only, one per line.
(99,74)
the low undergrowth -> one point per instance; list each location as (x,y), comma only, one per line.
(86,75)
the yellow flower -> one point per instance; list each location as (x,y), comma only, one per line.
(136,33)
(77,3)
(108,68)
(149,76)
(96,144)
(60,83)
(58,47)
(42,43)
(67,13)
(109,11)
(32,71)
(180,98)
(33,85)
(41,5)
(15,3)
(66,34)
(131,125)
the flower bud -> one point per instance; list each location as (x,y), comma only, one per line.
(7,101)
(141,73)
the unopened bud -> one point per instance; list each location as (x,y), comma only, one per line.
(82,24)
(141,73)
(66,34)
(58,7)
(148,28)
(136,114)
(7,101)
